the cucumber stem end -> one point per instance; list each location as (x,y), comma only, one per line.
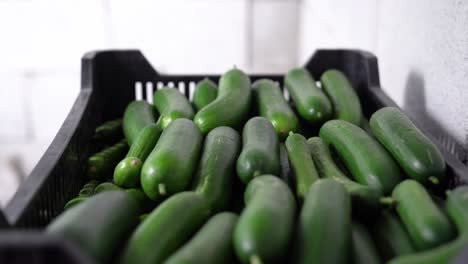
(388,201)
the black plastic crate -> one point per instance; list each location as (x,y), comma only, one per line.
(37,248)
(3,221)
(111,79)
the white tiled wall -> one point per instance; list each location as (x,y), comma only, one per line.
(337,24)
(274,35)
(183,36)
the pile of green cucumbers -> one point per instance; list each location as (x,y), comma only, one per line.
(241,175)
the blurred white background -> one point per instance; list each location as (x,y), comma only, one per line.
(421,45)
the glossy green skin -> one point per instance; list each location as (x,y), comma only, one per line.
(232,105)
(301,162)
(416,154)
(260,150)
(137,116)
(171,105)
(166,228)
(362,195)
(106,186)
(457,208)
(145,142)
(75,201)
(369,163)
(99,224)
(109,130)
(173,160)
(363,249)
(216,167)
(311,102)
(205,93)
(427,225)
(101,164)
(324,225)
(391,236)
(127,172)
(272,105)
(265,226)
(212,244)
(345,101)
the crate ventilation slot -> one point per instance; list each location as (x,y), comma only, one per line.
(145,90)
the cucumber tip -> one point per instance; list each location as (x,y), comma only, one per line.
(255,259)
(390,201)
(434,180)
(162,189)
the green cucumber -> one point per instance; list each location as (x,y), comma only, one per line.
(211,244)
(99,224)
(75,201)
(145,142)
(391,237)
(88,188)
(260,150)
(205,93)
(419,158)
(109,131)
(272,105)
(457,208)
(91,184)
(127,172)
(302,164)
(265,227)
(86,192)
(106,186)
(232,104)
(101,164)
(169,167)
(367,198)
(324,227)
(137,116)
(285,173)
(345,101)
(145,202)
(216,167)
(171,105)
(311,102)
(166,228)
(427,225)
(369,163)
(363,248)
